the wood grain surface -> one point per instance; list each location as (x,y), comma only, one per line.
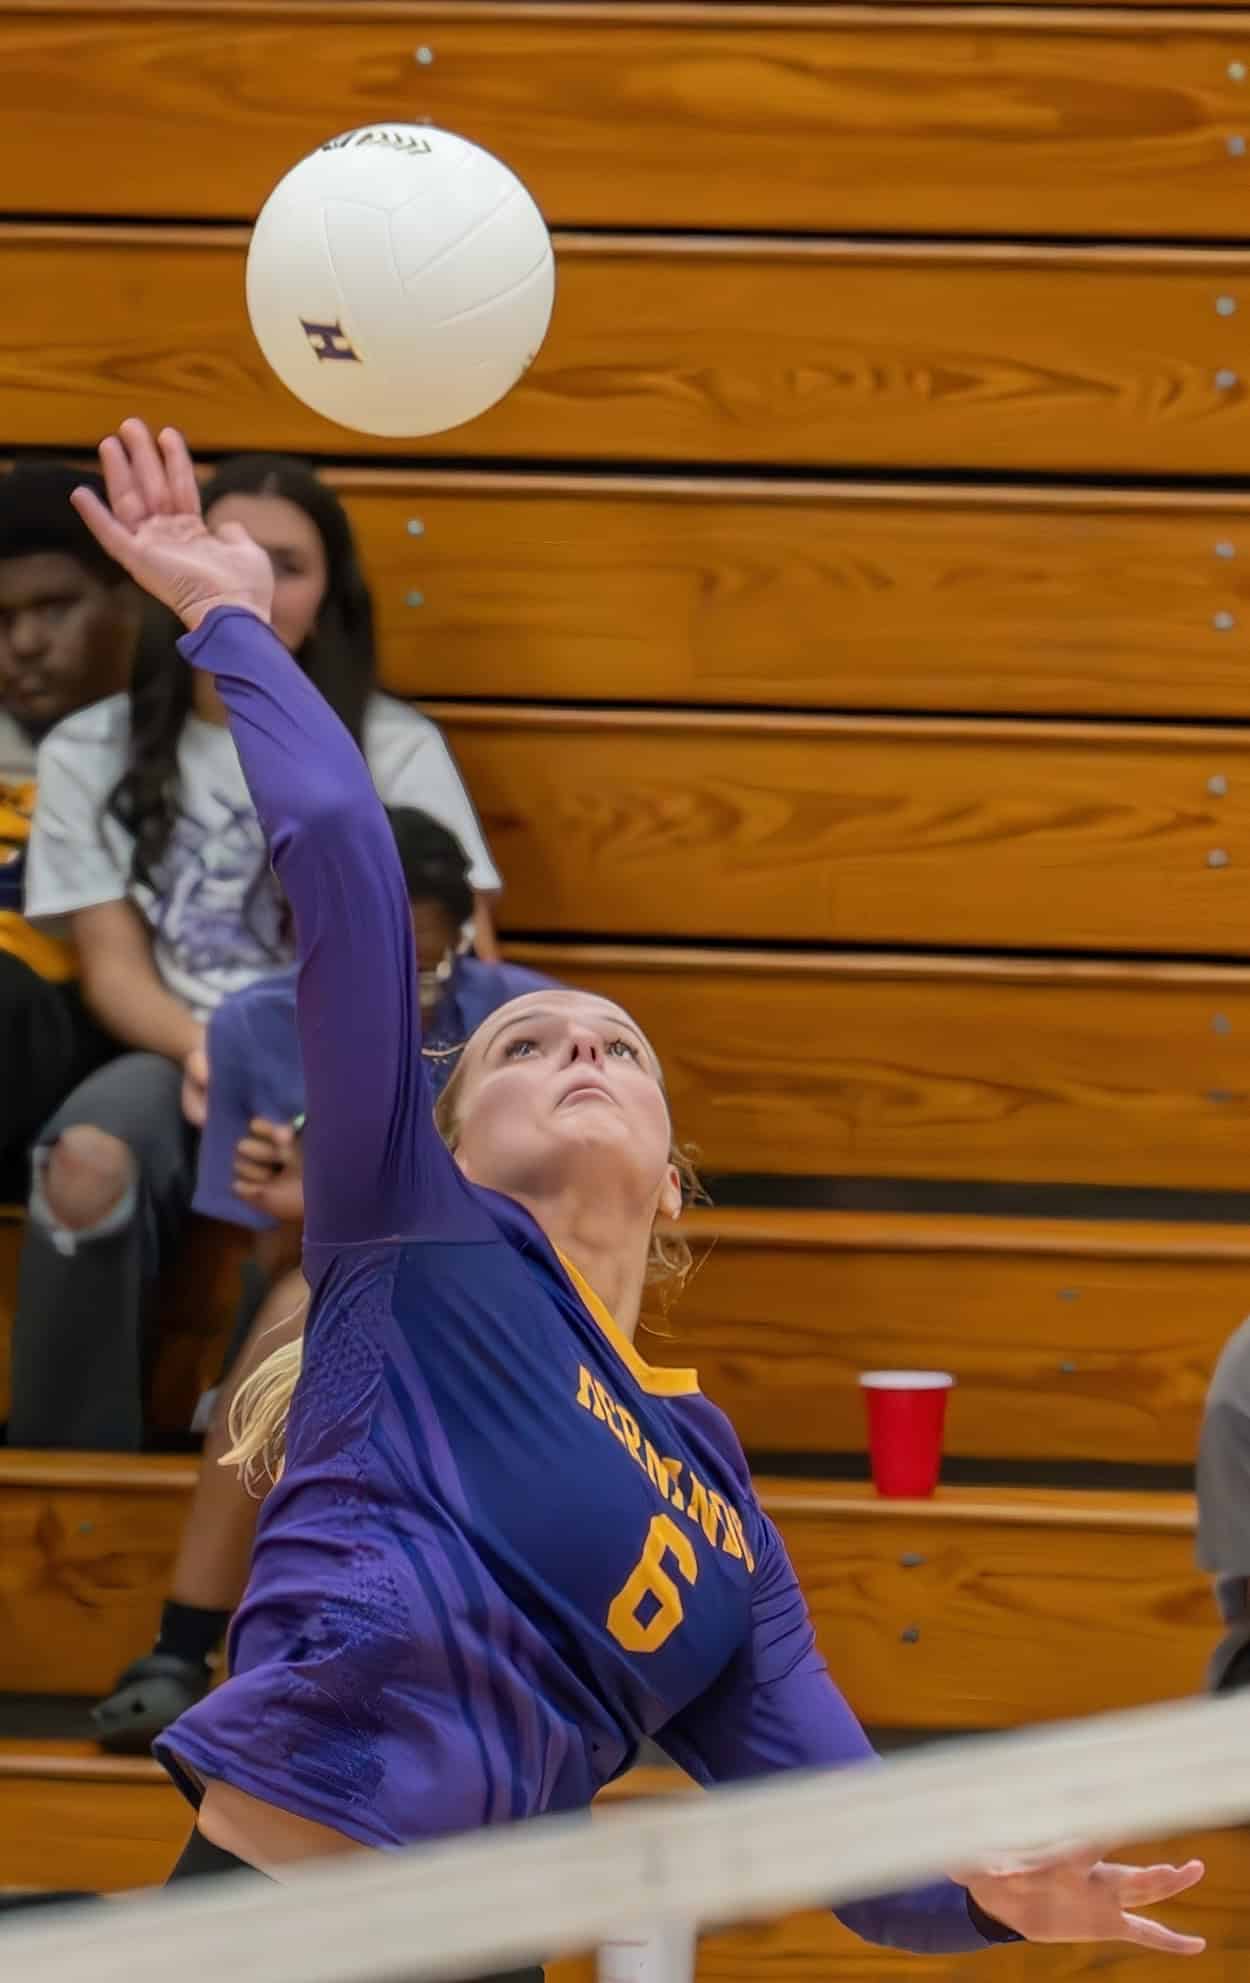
(793,118)
(86,1547)
(862,830)
(989,1607)
(924,1067)
(1067,1341)
(795,595)
(1023,1599)
(732,350)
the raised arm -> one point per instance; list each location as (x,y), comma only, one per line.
(372,1159)
(370,1124)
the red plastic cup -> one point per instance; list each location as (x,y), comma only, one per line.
(906,1416)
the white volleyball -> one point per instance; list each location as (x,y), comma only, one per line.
(400,280)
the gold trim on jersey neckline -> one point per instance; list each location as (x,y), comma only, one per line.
(659,1382)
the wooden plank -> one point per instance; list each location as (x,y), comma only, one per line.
(862,830)
(1112,1337)
(923,1067)
(985,1608)
(72,1819)
(824,119)
(86,1547)
(1022,1597)
(733,350)
(799,595)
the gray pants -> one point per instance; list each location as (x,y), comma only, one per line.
(85,1303)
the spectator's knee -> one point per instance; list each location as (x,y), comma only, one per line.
(86,1179)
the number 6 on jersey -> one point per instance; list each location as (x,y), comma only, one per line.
(650,1578)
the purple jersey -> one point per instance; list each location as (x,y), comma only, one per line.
(504,1549)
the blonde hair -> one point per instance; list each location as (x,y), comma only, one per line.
(259,1408)
(256,1420)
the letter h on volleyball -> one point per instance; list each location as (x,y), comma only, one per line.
(329,341)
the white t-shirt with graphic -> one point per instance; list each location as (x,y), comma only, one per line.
(215,926)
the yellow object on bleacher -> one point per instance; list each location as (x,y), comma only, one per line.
(45,954)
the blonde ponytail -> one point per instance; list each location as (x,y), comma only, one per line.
(257,1417)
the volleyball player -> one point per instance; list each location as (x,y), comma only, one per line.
(503,1549)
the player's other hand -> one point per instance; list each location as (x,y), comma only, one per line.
(1078,1897)
(154,530)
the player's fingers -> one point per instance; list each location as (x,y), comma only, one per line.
(1144,1934)
(179,471)
(125,501)
(147,467)
(109,534)
(1145,1886)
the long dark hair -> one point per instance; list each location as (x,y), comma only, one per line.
(339,656)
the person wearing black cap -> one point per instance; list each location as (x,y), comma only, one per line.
(68,623)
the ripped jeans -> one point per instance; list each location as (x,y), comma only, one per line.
(86,1298)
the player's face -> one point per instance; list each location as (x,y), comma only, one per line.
(559,1084)
(65,637)
(296,553)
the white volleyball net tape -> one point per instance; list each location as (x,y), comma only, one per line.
(536,1891)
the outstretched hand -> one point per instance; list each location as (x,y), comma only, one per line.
(1077,1897)
(154,530)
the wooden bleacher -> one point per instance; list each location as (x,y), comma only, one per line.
(932,1614)
(699,592)
(985,1609)
(831,702)
(903,1066)
(790,353)
(1073,1341)
(817,118)
(861,829)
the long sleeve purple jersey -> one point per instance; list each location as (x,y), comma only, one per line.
(504,1549)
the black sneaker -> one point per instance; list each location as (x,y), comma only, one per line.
(150,1694)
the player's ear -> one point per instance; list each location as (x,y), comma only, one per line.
(670,1200)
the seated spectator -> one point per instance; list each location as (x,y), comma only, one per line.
(1224,1507)
(68,620)
(146,849)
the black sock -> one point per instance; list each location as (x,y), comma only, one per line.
(190,1632)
